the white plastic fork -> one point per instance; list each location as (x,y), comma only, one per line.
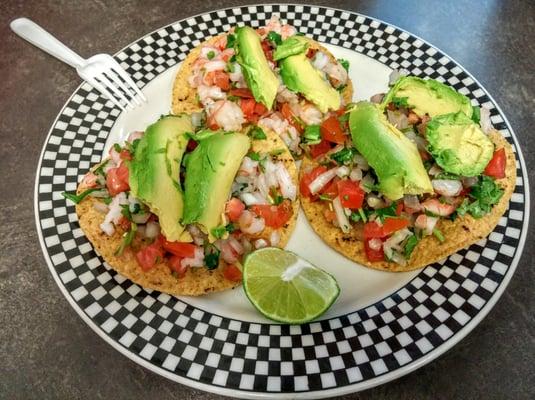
(101,71)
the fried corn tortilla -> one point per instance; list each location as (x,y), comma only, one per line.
(459,234)
(184,97)
(197,281)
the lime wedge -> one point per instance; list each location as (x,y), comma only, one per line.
(286,288)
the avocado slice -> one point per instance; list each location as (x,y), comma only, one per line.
(394,158)
(290,47)
(458,145)
(428,97)
(299,75)
(210,171)
(259,77)
(154,172)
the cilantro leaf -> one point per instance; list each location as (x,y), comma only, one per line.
(257,133)
(211,256)
(274,37)
(253,155)
(389,211)
(476,114)
(344,156)
(411,243)
(128,237)
(486,193)
(344,63)
(231,39)
(219,231)
(400,102)
(312,134)
(76,198)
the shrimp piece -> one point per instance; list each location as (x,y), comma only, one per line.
(227,115)
(250,223)
(285,95)
(336,73)
(287,31)
(310,114)
(207,94)
(436,207)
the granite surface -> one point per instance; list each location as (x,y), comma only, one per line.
(48,352)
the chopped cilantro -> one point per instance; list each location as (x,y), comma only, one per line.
(485,194)
(211,54)
(257,133)
(253,155)
(76,198)
(230,227)
(389,211)
(128,237)
(312,134)
(100,169)
(438,234)
(400,102)
(219,231)
(125,211)
(360,215)
(231,39)
(344,63)
(211,256)
(107,200)
(276,197)
(343,118)
(117,147)
(232,59)
(274,37)
(341,88)
(411,243)
(476,114)
(344,156)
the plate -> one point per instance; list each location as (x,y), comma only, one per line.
(383,326)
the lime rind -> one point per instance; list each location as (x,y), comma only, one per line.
(302,299)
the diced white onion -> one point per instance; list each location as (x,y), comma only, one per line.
(366,182)
(398,119)
(434,170)
(260,243)
(320,60)
(196,261)
(341,217)
(251,199)
(356,174)
(361,162)
(114,213)
(152,229)
(411,201)
(375,244)
(317,184)
(275,238)
(447,187)
(287,187)
(141,218)
(484,120)
(197,235)
(375,202)
(343,171)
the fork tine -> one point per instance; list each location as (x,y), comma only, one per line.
(97,85)
(114,89)
(122,73)
(120,83)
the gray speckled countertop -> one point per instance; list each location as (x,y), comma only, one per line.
(47,351)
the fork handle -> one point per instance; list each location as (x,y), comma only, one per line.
(37,36)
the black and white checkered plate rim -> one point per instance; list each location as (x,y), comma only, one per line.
(339,355)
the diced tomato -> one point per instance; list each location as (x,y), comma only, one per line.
(222,80)
(260,109)
(192,145)
(350,193)
(464,191)
(117,180)
(496,166)
(268,52)
(341,111)
(181,249)
(373,230)
(329,215)
(125,155)
(274,216)
(399,208)
(311,53)
(308,178)
(148,256)
(331,189)
(124,223)
(289,116)
(332,131)
(371,254)
(319,149)
(232,273)
(242,92)
(392,225)
(234,209)
(247,107)
(175,263)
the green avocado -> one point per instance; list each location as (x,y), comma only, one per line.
(458,145)
(210,171)
(394,158)
(428,97)
(259,77)
(290,47)
(299,75)
(154,172)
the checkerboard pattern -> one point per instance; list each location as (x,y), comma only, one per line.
(198,346)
